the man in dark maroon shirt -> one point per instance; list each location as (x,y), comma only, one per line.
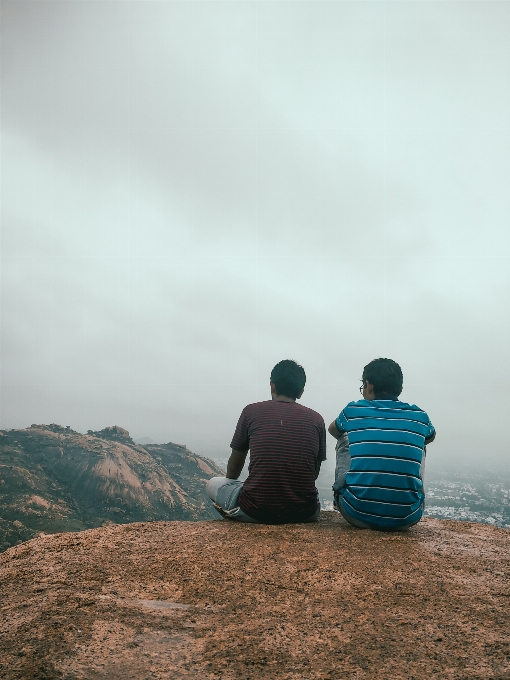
(287,443)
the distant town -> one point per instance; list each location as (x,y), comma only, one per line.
(481,497)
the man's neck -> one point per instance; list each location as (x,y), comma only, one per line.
(282,397)
(385,396)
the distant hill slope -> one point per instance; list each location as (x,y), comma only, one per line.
(53,479)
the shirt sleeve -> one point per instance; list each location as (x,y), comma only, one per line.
(240,440)
(431,430)
(341,422)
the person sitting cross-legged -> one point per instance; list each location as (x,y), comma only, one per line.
(380,453)
(287,443)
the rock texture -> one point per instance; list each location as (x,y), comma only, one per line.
(216,599)
(53,479)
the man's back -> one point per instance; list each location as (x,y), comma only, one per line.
(386,443)
(286,441)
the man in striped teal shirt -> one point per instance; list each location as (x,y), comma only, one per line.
(381,453)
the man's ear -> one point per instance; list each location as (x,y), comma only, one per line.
(370,389)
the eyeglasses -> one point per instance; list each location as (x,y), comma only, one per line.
(361,388)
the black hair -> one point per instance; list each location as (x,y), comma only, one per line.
(385,375)
(289,378)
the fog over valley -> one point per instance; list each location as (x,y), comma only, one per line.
(193,191)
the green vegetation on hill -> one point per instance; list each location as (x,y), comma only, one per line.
(53,479)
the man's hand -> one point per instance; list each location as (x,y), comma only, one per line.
(333,430)
(236,463)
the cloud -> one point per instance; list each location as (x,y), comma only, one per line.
(193,191)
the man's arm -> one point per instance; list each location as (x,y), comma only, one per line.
(333,430)
(317,468)
(321,453)
(236,463)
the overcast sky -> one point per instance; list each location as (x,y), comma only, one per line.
(192,191)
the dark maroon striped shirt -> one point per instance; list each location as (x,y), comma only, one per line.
(286,441)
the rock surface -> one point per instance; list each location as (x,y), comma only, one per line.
(216,599)
(54,479)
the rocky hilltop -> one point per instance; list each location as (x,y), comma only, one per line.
(219,600)
(53,479)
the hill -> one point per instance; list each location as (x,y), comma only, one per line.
(53,479)
(216,599)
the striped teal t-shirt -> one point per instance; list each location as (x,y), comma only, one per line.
(383,486)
